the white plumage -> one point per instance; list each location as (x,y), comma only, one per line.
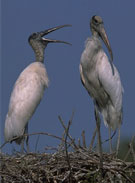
(104,87)
(26,95)
(28,90)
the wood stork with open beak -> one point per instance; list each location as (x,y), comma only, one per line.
(28,90)
(101,79)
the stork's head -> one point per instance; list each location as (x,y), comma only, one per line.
(39,43)
(97,28)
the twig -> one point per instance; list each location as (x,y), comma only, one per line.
(83,139)
(62,122)
(93,138)
(62,142)
(48,148)
(127,154)
(25,135)
(132,148)
(127,177)
(37,143)
(65,178)
(67,156)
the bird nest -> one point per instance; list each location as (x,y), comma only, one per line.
(70,163)
(79,166)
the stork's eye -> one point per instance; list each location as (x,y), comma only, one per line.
(95,20)
(34,35)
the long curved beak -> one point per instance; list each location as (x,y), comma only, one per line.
(43,33)
(104,37)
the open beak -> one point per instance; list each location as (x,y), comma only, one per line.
(104,37)
(43,33)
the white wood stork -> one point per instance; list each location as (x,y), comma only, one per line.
(28,90)
(101,79)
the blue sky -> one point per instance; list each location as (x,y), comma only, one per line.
(65,92)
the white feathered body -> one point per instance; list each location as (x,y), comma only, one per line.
(104,87)
(26,96)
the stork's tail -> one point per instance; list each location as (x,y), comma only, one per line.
(112,118)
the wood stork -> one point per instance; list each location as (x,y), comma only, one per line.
(101,79)
(28,90)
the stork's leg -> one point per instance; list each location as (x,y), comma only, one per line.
(27,144)
(22,145)
(27,138)
(118,141)
(97,117)
(110,139)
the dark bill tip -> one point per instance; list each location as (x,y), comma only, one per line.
(43,33)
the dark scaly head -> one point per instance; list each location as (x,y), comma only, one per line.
(38,42)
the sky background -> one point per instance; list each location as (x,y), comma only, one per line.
(65,92)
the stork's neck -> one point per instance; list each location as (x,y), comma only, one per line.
(95,44)
(94,33)
(39,54)
(39,50)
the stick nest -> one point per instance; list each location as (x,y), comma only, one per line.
(70,163)
(54,168)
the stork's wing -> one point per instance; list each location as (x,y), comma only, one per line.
(26,95)
(110,83)
(81,75)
